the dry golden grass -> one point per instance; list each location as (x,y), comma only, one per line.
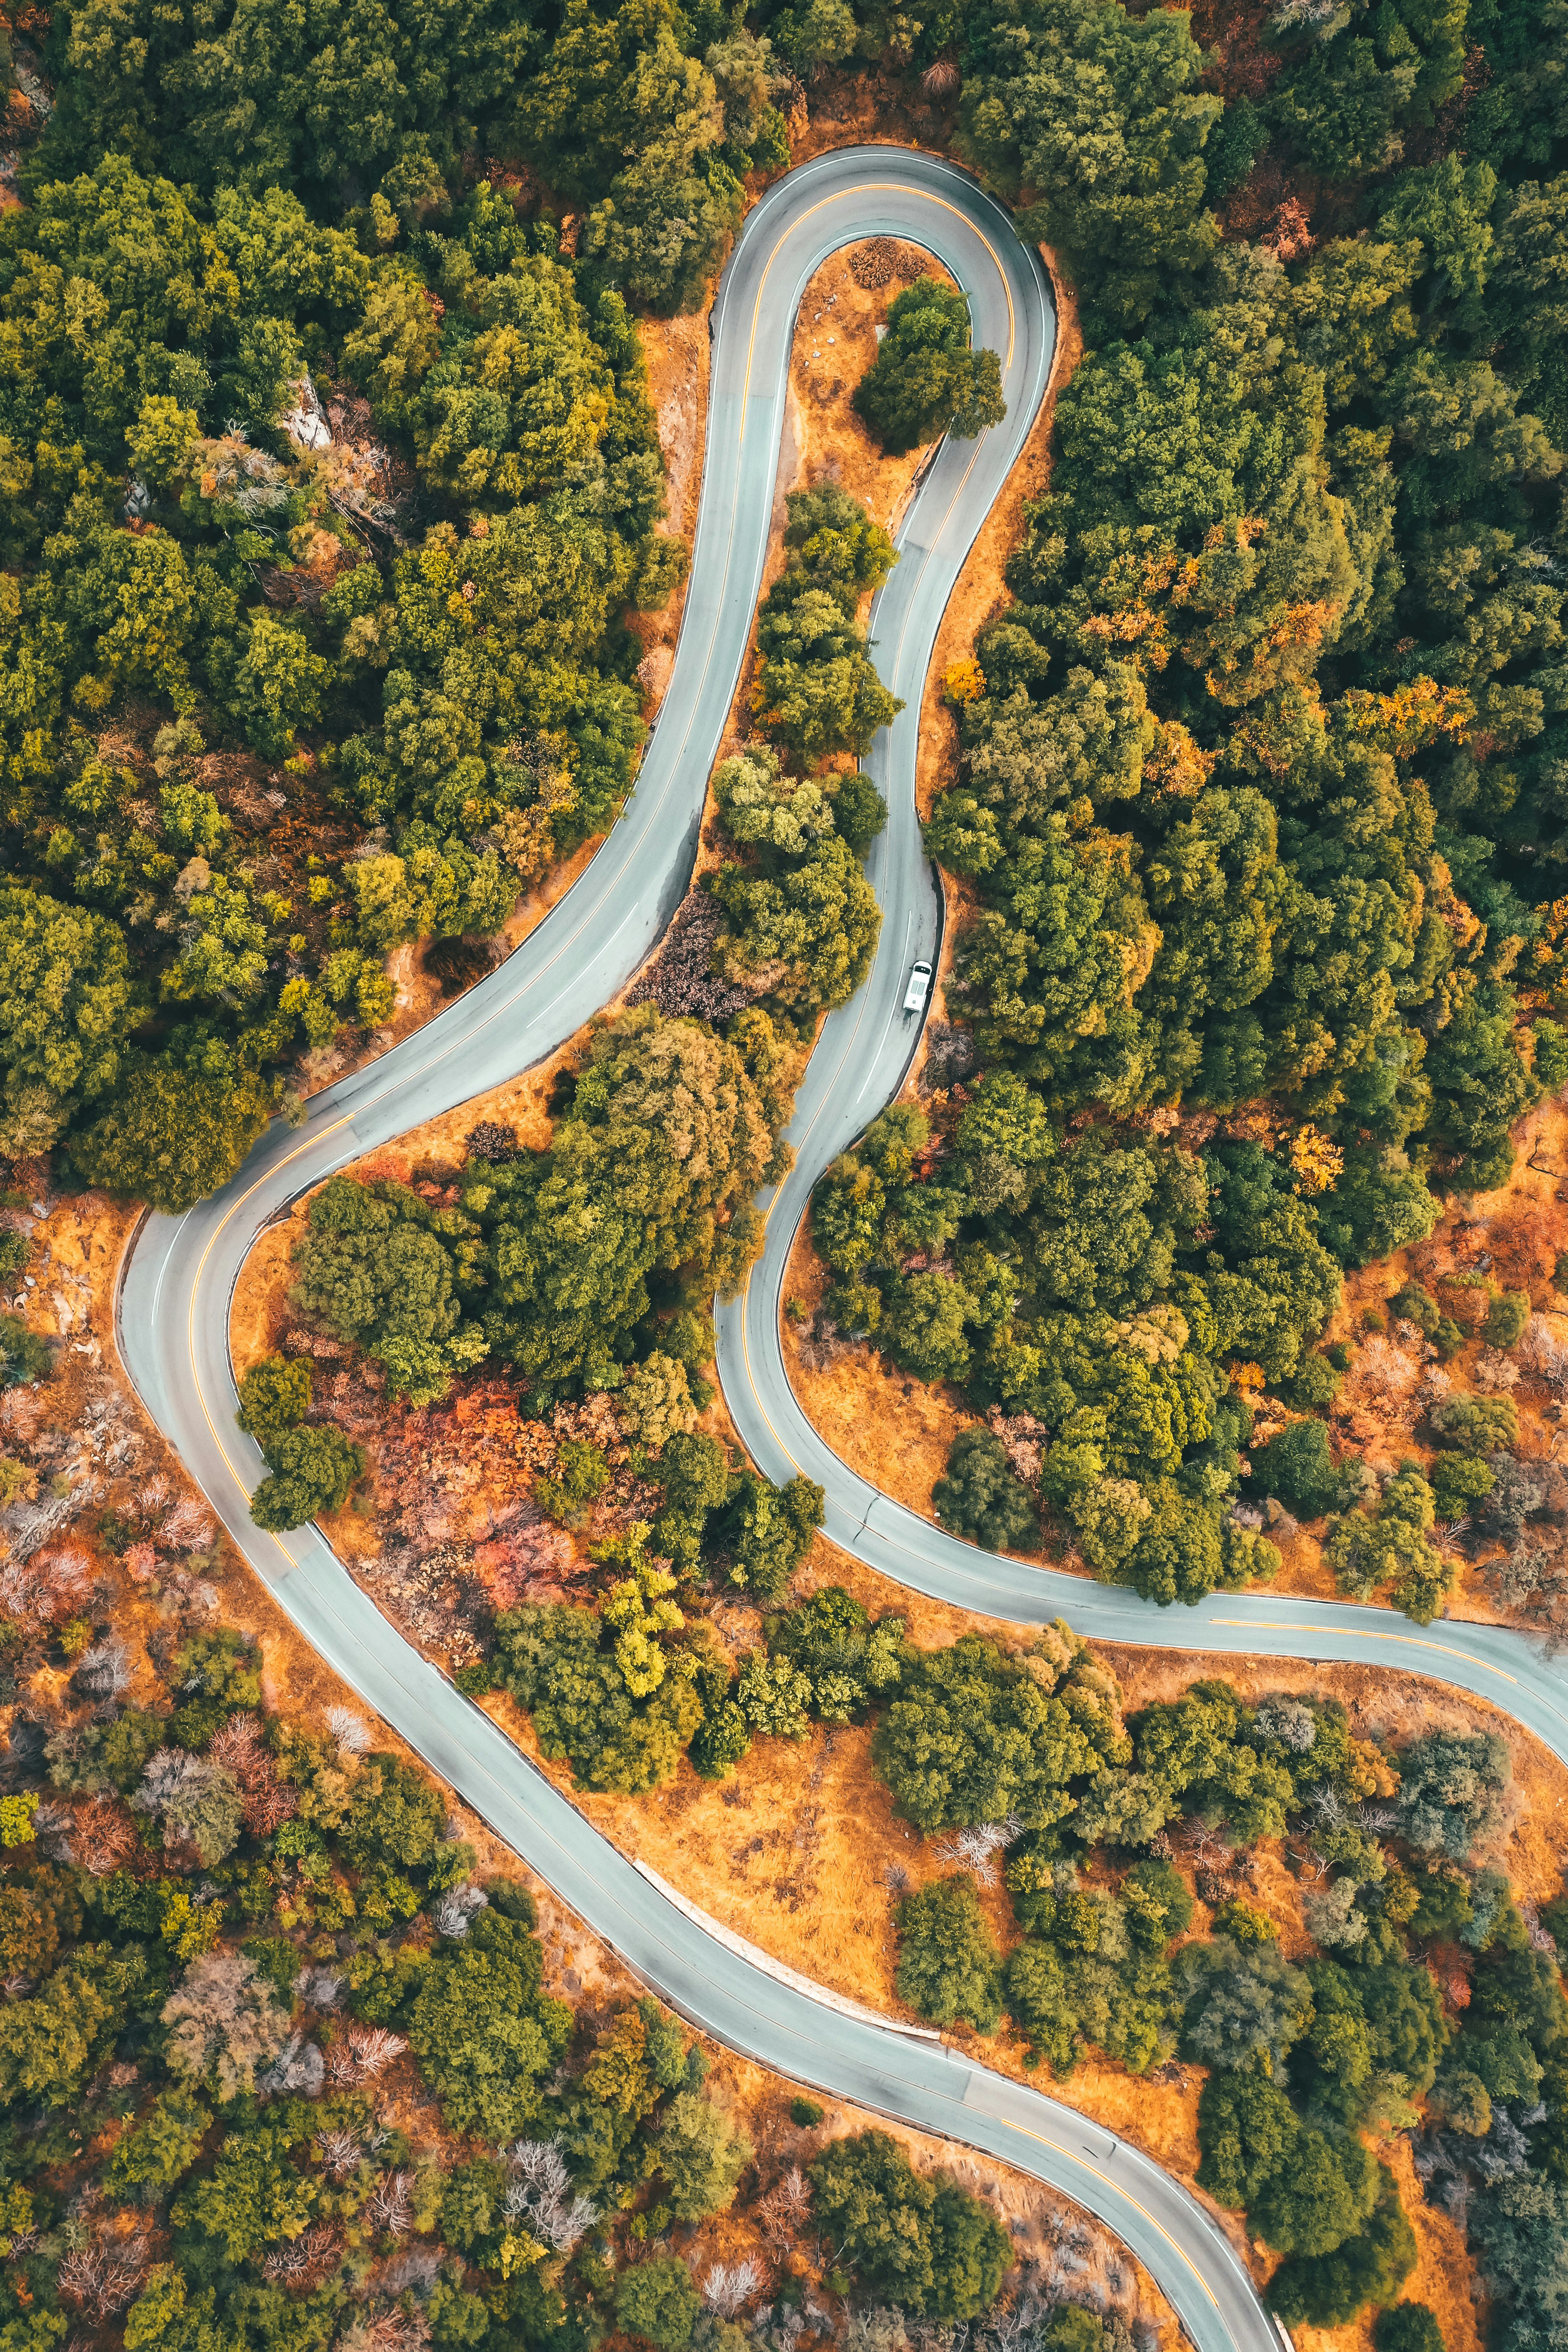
(891,1429)
(897,1432)
(835,344)
(677,351)
(799,1851)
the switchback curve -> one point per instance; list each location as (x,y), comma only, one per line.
(178,1276)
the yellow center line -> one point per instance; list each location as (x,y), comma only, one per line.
(879,187)
(1374,1633)
(1363,1633)
(1111,2182)
(883,187)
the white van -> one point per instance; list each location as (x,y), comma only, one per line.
(917,989)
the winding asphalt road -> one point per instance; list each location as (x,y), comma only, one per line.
(178,1277)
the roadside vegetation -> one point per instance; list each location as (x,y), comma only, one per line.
(280,2066)
(925,379)
(1254,795)
(588,1268)
(331,482)
(330,479)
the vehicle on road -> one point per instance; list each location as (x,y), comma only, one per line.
(919,989)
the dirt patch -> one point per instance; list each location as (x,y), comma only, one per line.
(799,1851)
(871,109)
(676,352)
(835,344)
(894,1430)
(1510,1238)
(1444,2278)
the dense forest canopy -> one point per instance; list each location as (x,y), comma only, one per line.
(279,2069)
(1261,774)
(331,478)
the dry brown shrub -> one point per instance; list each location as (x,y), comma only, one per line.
(103,2279)
(881,259)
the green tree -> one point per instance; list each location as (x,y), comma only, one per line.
(923,2246)
(922,1326)
(667,1140)
(1476,1425)
(1101,112)
(1249,2003)
(253,2195)
(1506,1318)
(1299,1467)
(213,1673)
(831,538)
(1407,2328)
(278,685)
(949,1966)
(771,1529)
(860,812)
(1391,1548)
(276,1393)
(617,88)
(699,2156)
(1328,2289)
(1459,1481)
(849,1662)
(64,983)
(311,1472)
(32,1917)
(1158,1905)
(976,1736)
(554,1660)
(162,2147)
(774,1696)
(378,1267)
(53,2040)
(925,380)
(817,690)
(485,2034)
(1320,2200)
(197,1802)
(971,2255)
(1449,1791)
(656,2301)
(980,1496)
(694,1472)
(396,343)
(1248,2133)
(104,1755)
(1519,2230)
(760,804)
(878,2210)
(24,1355)
(171,1139)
